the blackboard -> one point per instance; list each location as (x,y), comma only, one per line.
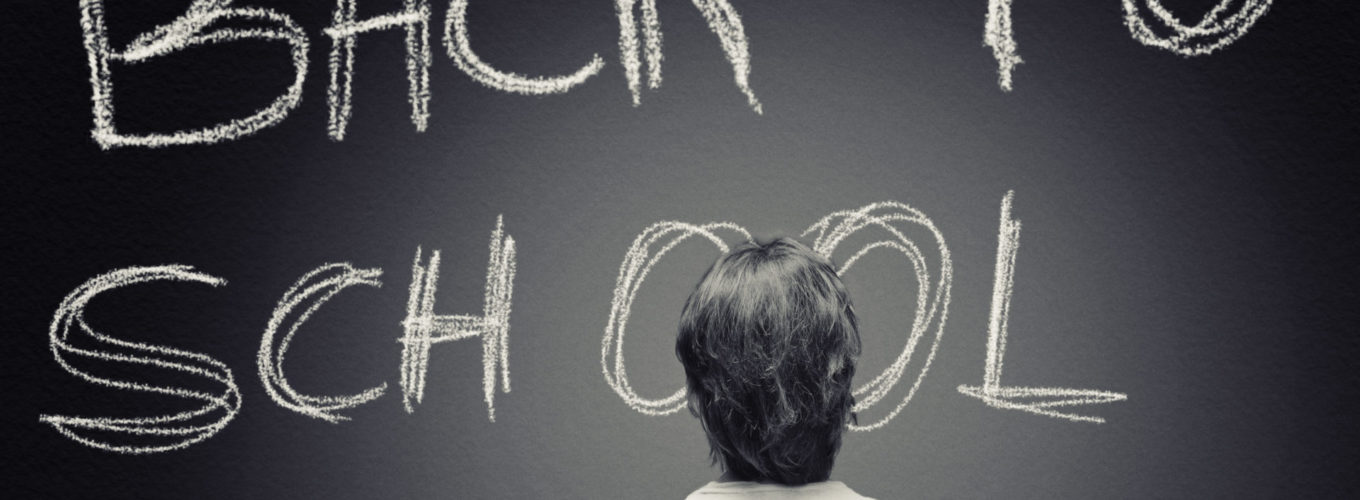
(1188,242)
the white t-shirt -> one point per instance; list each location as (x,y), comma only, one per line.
(735,490)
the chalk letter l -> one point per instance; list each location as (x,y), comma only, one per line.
(1037,400)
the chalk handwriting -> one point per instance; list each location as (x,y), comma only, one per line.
(424,328)
(1215,30)
(932,302)
(344,32)
(1037,400)
(830,231)
(192,29)
(999,36)
(319,286)
(460,50)
(637,263)
(722,19)
(173,431)
(640,38)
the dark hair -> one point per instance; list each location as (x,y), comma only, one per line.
(769,341)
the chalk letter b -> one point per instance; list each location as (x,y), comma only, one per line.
(194,28)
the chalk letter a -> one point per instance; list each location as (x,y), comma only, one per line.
(344,32)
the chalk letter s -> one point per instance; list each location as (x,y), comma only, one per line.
(189,30)
(181,429)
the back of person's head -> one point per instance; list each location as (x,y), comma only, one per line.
(769,342)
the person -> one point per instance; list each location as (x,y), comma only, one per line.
(769,341)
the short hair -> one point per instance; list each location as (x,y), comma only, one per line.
(769,342)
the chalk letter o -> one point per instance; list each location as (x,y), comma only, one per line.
(636,264)
(833,229)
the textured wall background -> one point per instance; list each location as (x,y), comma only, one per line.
(1189,239)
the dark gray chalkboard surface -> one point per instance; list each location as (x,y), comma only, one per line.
(1189,243)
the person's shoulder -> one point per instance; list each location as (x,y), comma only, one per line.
(735,490)
(705,490)
(839,491)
